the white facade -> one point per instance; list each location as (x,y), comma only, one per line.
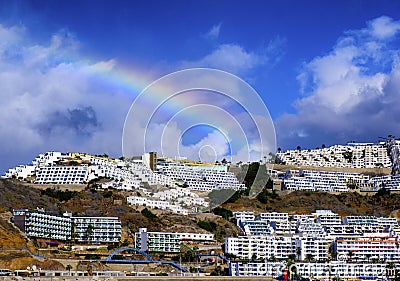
(273,216)
(61,175)
(167,241)
(40,224)
(322,271)
(260,247)
(362,155)
(96,230)
(243,216)
(369,246)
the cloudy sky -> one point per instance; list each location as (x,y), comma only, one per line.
(328,71)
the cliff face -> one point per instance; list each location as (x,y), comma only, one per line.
(14,247)
(10,236)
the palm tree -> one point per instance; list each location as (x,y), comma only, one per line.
(69,267)
(309,257)
(334,255)
(350,254)
(89,232)
(389,269)
(298,252)
(272,258)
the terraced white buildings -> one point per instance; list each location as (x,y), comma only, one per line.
(92,230)
(352,155)
(309,237)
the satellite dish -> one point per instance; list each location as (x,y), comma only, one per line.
(28,268)
(34,267)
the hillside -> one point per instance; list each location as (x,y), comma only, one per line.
(112,203)
(351,203)
(15,247)
(104,203)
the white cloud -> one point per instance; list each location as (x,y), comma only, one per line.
(213,33)
(53,102)
(384,27)
(349,92)
(229,57)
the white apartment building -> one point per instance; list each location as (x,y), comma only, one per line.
(260,247)
(360,220)
(273,216)
(310,228)
(283,227)
(202,179)
(323,271)
(243,216)
(39,224)
(345,230)
(250,247)
(157,204)
(300,217)
(167,241)
(327,218)
(96,230)
(20,172)
(314,247)
(369,246)
(360,155)
(256,228)
(61,175)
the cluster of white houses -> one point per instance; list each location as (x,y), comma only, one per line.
(44,225)
(186,200)
(352,155)
(327,181)
(322,237)
(79,168)
(276,235)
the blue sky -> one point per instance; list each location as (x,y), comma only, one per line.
(327,70)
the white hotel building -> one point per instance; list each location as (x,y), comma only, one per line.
(61,175)
(369,246)
(168,242)
(279,247)
(260,247)
(94,230)
(39,224)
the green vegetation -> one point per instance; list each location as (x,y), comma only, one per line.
(148,214)
(265,194)
(225,213)
(59,194)
(207,225)
(108,194)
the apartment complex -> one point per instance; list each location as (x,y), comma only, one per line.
(322,271)
(39,224)
(167,242)
(94,230)
(201,178)
(379,246)
(309,237)
(352,155)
